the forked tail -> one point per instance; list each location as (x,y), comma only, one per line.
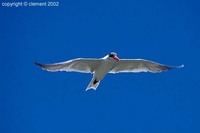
(94,83)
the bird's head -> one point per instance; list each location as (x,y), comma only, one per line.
(113,55)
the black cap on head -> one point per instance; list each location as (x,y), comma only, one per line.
(112,54)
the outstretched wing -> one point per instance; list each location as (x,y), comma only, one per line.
(139,65)
(77,65)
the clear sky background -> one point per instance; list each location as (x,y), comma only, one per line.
(37,101)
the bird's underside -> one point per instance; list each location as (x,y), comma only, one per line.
(108,64)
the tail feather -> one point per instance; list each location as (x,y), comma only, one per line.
(92,85)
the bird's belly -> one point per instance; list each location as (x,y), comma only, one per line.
(103,70)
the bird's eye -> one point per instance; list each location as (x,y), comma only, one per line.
(111,55)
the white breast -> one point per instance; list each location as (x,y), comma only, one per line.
(104,67)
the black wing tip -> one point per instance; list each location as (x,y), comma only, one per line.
(38,64)
(166,68)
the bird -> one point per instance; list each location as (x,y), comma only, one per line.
(110,63)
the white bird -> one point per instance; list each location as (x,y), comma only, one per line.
(108,64)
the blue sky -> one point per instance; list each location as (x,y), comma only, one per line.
(37,101)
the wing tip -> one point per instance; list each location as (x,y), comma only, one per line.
(181,66)
(38,64)
(44,67)
(172,67)
(161,68)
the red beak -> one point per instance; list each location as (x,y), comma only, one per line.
(116,58)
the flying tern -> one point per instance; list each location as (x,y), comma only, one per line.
(108,64)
